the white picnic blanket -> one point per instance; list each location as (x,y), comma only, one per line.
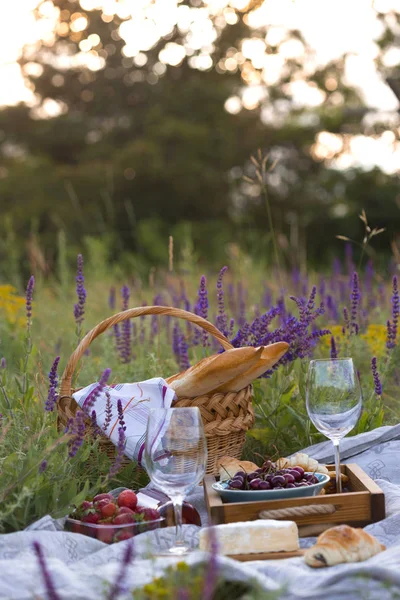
(80,566)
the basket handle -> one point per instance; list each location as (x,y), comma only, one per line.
(131,313)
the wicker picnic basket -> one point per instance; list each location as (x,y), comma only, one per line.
(226,417)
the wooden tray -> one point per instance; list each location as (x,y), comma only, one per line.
(267,555)
(364,504)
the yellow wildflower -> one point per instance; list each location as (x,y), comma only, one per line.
(11,305)
(375,337)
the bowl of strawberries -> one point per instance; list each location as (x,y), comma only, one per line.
(112,518)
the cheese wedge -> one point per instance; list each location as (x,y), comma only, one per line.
(251,537)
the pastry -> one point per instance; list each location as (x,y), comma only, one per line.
(302,460)
(228,467)
(342,544)
(330,487)
(251,537)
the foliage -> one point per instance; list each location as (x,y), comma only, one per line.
(138,138)
(38,477)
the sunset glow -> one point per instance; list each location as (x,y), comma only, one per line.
(327,26)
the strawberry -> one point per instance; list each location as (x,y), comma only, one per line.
(91,517)
(104,502)
(124,518)
(124,510)
(106,534)
(124,534)
(99,497)
(85,505)
(128,498)
(149,514)
(108,510)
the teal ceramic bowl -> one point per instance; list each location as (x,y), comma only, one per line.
(256,495)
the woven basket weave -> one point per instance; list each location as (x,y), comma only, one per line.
(226,417)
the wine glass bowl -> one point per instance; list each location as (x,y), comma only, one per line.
(334,401)
(176,457)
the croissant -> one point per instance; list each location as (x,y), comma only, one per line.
(342,544)
(302,460)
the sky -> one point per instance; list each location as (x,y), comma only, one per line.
(331,27)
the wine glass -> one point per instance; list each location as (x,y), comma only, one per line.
(176,457)
(333,399)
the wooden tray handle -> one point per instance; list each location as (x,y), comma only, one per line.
(132,313)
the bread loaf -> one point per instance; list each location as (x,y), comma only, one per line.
(269,357)
(228,467)
(342,544)
(214,371)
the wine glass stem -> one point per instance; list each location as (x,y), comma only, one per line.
(179,541)
(337,467)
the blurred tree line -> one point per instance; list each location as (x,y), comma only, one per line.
(143,148)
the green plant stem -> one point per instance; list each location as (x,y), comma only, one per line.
(272,230)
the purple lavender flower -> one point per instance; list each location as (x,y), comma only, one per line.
(375,375)
(77,434)
(346,327)
(3,364)
(184,362)
(96,431)
(117,337)
(221,321)
(334,353)
(95,393)
(395,314)
(28,297)
(121,415)
(48,582)
(127,558)
(108,411)
(355,302)
(53,383)
(115,467)
(79,308)
(389,335)
(202,307)
(112,298)
(212,568)
(176,336)
(43,466)
(125,346)
(69,425)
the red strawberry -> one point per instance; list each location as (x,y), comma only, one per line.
(124,510)
(85,505)
(124,518)
(104,502)
(124,534)
(149,514)
(99,497)
(106,534)
(91,517)
(108,510)
(128,498)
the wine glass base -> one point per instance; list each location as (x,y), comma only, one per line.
(177,551)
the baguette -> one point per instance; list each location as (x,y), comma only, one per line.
(214,371)
(269,357)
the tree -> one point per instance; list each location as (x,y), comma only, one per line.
(144,134)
